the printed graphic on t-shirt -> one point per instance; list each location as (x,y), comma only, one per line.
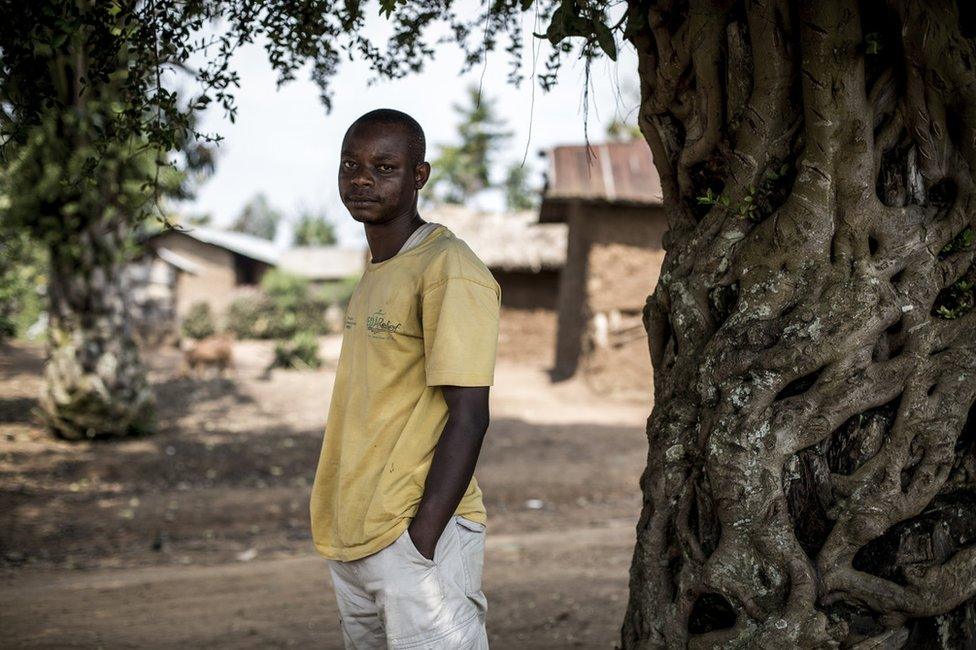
(350,322)
(381,327)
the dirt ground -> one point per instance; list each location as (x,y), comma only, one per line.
(197,536)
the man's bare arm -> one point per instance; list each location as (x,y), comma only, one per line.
(453,464)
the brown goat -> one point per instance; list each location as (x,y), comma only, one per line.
(214,351)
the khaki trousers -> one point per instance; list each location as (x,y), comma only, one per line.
(397,598)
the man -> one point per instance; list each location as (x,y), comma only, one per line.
(395,506)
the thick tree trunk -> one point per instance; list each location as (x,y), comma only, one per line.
(96,385)
(811,475)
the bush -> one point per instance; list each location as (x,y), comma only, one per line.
(301,352)
(310,315)
(198,323)
(285,307)
(289,292)
(253,317)
(340,292)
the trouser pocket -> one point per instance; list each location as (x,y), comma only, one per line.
(471,542)
(423,601)
(412,551)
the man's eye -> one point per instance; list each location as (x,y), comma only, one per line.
(348,164)
(385,168)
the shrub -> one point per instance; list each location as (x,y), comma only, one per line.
(198,323)
(253,317)
(285,306)
(288,291)
(338,293)
(300,352)
(299,308)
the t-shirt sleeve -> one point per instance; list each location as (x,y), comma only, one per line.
(460,324)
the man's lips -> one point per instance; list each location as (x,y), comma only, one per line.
(362,199)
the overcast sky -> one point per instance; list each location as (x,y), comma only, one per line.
(285,145)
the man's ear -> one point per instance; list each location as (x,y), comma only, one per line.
(421,174)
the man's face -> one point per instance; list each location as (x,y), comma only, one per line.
(377,178)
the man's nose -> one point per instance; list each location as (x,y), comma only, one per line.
(362,179)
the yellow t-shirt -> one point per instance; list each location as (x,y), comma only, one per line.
(423,318)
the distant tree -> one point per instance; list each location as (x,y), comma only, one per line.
(619,130)
(462,170)
(258,218)
(519,195)
(314,230)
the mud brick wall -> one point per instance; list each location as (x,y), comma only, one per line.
(613,261)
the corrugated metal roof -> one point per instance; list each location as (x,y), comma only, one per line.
(238,242)
(323,262)
(615,171)
(178,261)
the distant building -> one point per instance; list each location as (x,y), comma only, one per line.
(525,257)
(323,265)
(610,197)
(210,264)
(203,264)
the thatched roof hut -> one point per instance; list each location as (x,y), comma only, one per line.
(506,241)
(525,257)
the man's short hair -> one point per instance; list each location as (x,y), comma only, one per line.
(416,144)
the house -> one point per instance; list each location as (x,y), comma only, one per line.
(524,256)
(323,265)
(526,259)
(610,198)
(203,264)
(209,264)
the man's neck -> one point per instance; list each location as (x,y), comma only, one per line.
(386,239)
